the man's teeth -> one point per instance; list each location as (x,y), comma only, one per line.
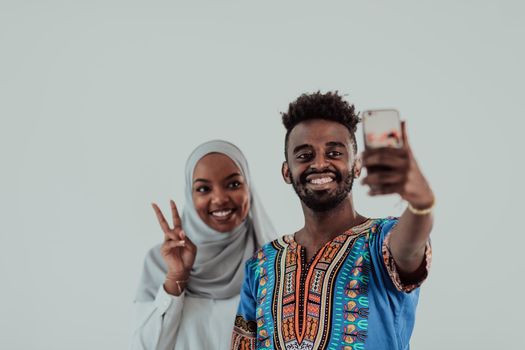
(323,180)
(221,213)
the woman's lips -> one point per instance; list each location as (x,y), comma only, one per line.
(222,214)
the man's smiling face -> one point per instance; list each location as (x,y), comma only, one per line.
(321,163)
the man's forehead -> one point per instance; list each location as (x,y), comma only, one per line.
(319,131)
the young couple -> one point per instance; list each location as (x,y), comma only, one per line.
(222,279)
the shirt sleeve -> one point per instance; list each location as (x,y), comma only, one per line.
(385,228)
(245,327)
(158,313)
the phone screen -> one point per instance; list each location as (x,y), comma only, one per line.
(382,128)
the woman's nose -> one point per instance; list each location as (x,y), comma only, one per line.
(219,197)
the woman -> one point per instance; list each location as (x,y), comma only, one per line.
(189,291)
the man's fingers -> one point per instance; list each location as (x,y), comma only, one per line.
(385,189)
(386,159)
(388,151)
(384,178)
(162,221)
(404,133)
(406,145)
(175,215)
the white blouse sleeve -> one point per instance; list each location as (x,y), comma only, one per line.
(158,313)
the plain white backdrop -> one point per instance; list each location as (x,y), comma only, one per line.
(102,101)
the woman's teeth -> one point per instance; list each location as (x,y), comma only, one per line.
(221,213)
(321,181)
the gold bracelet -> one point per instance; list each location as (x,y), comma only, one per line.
(179,289)
(178,285)
(425,211)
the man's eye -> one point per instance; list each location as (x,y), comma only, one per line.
(304,156)
(202,189)
(234,184)
(334,154)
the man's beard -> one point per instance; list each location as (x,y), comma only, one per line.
(321,201)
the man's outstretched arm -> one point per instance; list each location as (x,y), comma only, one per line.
(409,238)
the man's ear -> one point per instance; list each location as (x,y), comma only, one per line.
(358,165)
(285,171)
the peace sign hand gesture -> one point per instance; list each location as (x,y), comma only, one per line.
(178,251)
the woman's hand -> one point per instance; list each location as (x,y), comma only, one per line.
(178,251)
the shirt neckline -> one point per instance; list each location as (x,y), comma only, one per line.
(354,230)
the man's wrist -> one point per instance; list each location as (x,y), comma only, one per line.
(423,208)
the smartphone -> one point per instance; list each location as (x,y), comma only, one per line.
(382,128)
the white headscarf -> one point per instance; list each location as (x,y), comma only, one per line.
(219,265)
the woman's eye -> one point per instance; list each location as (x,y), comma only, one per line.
(234,184)
(202,189)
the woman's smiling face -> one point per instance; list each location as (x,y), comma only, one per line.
(220,194)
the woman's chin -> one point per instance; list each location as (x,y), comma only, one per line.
(223,227)
(223,224)
(228,226)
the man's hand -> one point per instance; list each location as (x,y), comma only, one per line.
(395,170)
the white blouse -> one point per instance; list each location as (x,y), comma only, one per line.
(167,322)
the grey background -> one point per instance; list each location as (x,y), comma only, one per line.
(102,101)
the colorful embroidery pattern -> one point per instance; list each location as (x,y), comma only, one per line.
(308,303)
(391,267)
(242,337)
(263,310)
(318,304)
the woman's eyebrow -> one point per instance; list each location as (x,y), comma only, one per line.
(232,175)
(201,180)
(226,178)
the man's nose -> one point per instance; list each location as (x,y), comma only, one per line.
(320,163)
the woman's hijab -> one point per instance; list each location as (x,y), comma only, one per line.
(218,270)
(219,265)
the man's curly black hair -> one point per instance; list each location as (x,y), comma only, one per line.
(328,106)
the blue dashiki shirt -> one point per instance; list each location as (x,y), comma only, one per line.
(349,296)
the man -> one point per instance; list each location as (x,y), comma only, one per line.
(343,281)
